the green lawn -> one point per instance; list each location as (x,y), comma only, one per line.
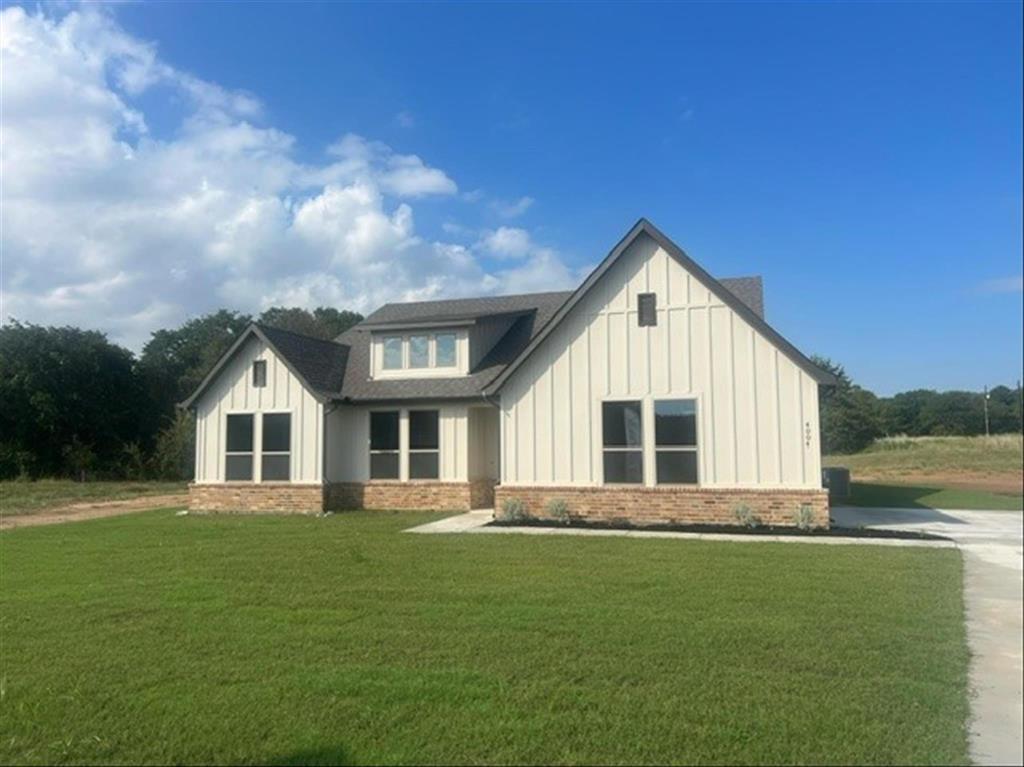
(914,496)
(23,497)
(153,638)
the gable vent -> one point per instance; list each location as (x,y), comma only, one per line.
(647,309)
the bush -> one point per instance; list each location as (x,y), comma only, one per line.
(804,517)
(558,510)
(513,510)
(746,517)
(173,453)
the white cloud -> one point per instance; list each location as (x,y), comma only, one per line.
(1013,284)
(405,119)
(107,225)
(512,209)
(507,242)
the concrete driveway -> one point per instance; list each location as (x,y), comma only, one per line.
(993,547)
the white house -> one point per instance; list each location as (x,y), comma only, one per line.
(653,392)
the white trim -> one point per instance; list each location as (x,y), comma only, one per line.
(257,446)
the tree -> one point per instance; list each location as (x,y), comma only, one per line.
(71,401)
(323,322)
(174,362)
(850,415)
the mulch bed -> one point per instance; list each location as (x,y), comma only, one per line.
(792,532)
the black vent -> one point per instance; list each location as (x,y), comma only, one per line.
(259,373)
(647,305)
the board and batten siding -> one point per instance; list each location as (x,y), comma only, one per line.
(757,410)
(233,392)
(348,441)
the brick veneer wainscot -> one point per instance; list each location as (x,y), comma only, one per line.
(670,505)
(252,498)
(414,495)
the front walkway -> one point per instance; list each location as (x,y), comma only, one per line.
(992,543)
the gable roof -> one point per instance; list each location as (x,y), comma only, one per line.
(728,297)
(318,364)
(526,314)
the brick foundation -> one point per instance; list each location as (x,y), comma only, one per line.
(392,494)
(670,505)
(250,498)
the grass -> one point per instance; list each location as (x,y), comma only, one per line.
(153,638)
(24,497)
(938,472)
(914,496)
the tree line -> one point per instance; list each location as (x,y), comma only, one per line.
(76,405)
(853,417)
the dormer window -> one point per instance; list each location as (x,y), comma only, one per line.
(393,353)
(426,353)
(419,351)
(444,350)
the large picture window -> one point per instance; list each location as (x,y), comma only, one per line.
(384,445)
(423,444)
(238,449)
(622,429)
(675,441)
(276,456)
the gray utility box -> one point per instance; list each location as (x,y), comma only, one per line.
(837,480)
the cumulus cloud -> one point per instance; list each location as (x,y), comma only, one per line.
(108,224)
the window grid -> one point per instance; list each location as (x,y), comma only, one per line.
(425,448)
(383,467)
(438,350)
(276,466)
(238,461)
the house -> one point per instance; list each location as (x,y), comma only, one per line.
(652,392)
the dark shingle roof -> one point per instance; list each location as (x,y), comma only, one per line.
(749,290)
(534,310)
(321,363)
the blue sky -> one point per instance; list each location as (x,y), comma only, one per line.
(865,159)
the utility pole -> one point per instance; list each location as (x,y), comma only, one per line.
(986,411)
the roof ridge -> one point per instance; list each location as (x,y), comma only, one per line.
(485,297)
(274,329)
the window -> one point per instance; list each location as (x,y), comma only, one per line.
(276,458)
(384,445)
(393,353)
(675,441)
(419,351)
(238,454)
(647,309)
(259,373)
(444,350)
(623,442)
(423,444)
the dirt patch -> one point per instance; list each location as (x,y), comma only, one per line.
(76,512)
(1001,482)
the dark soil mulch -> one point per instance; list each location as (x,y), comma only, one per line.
(832,532)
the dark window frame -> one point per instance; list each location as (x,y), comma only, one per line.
(434,451)
(250,453)
(678,447)
(264,453)
(626,450)
(396,451)
(647,309)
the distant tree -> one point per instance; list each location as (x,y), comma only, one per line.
(323,322)
(175,361)
(71,401)
(850,415)
(1004,410)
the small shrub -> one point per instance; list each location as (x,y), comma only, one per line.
(804,517)
(513,510)
(559,510)
(746,517)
